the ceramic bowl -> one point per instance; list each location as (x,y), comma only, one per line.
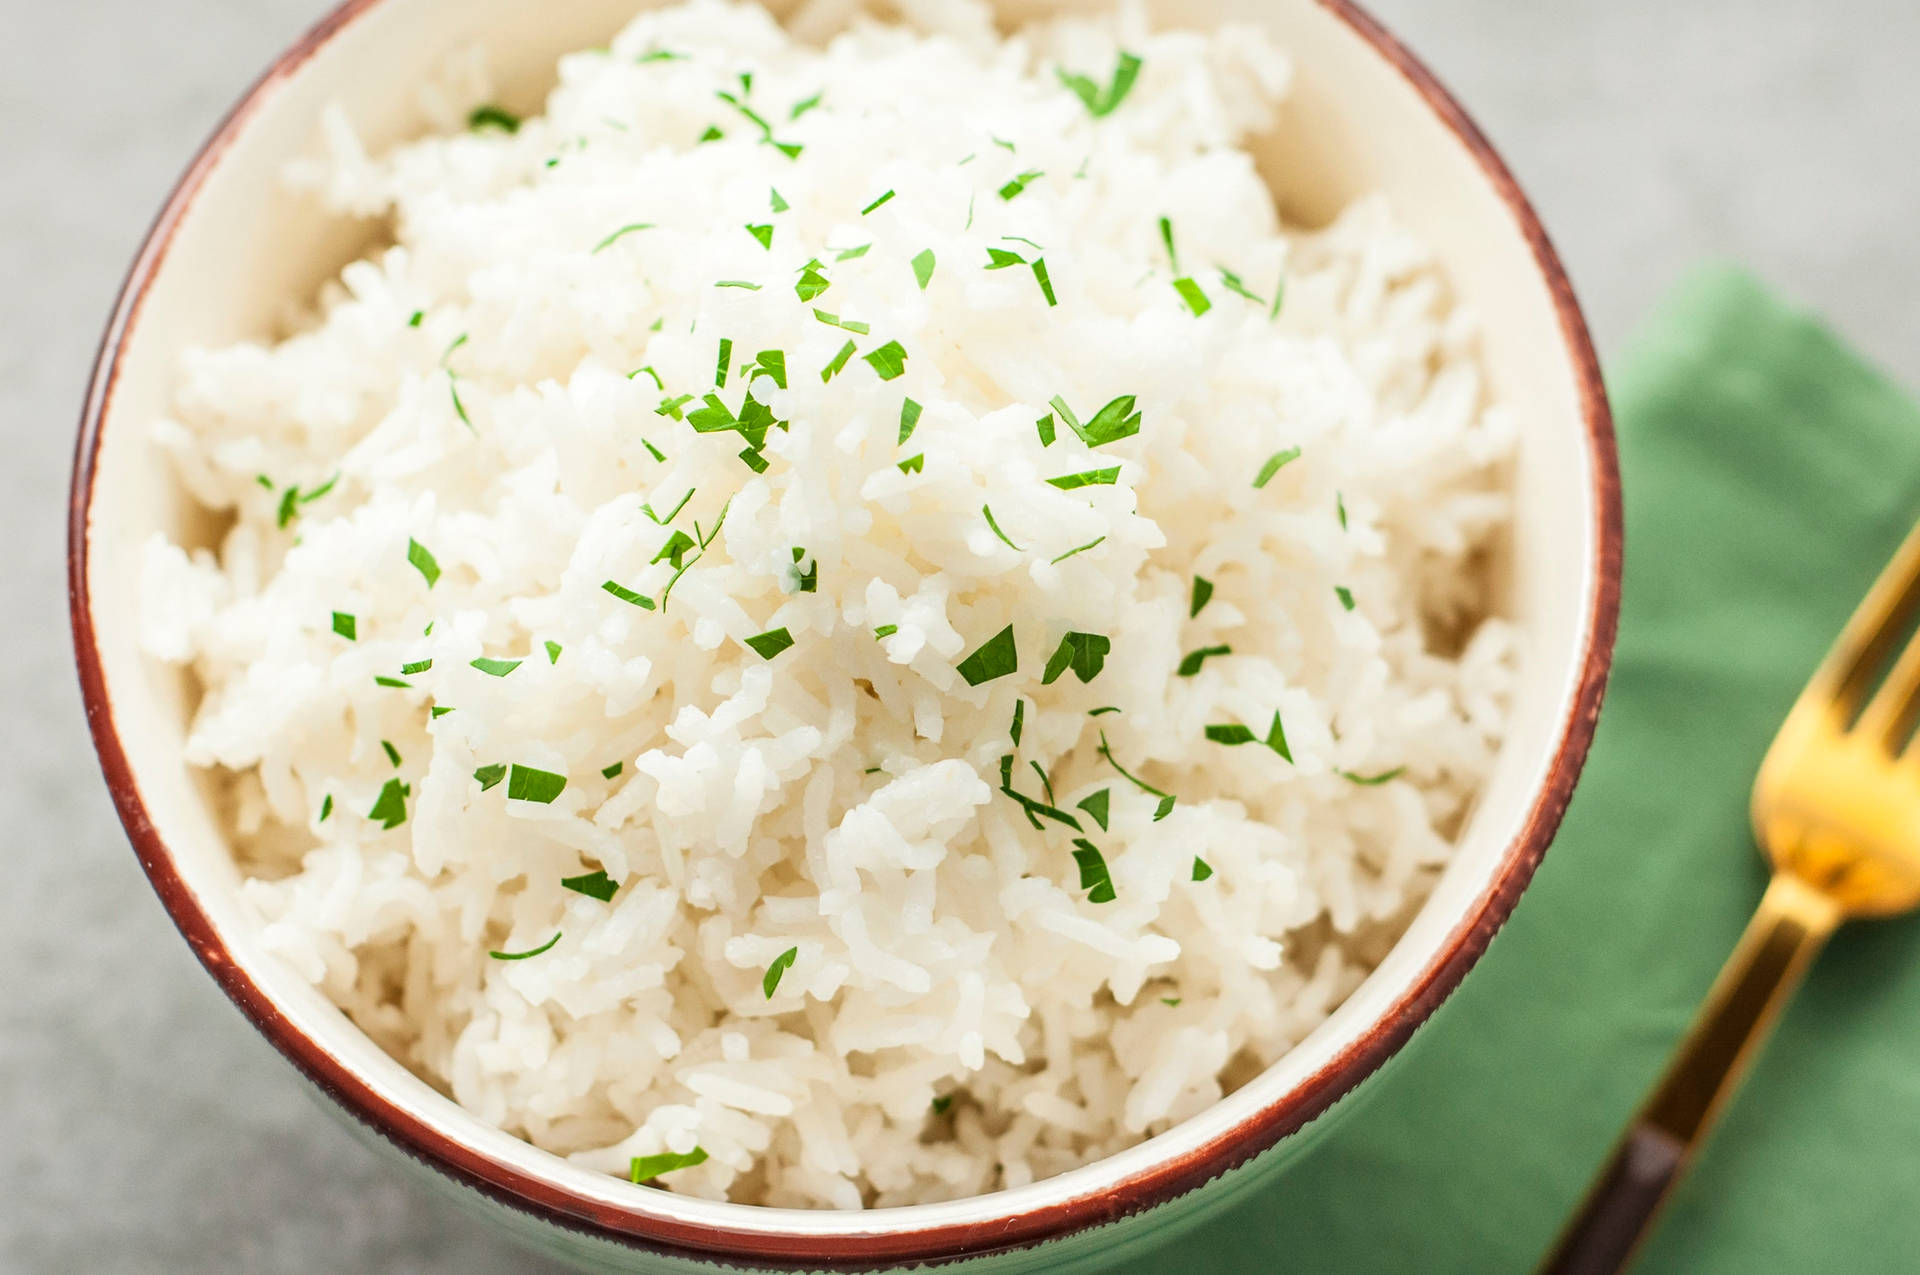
(230,248)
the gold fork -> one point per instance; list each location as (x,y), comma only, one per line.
(1836,809)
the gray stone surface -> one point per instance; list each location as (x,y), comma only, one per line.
(142,1124)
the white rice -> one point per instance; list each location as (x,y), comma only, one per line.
(842,798)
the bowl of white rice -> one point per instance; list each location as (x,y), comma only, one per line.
(840,635)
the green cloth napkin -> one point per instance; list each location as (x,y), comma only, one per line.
(1768,475)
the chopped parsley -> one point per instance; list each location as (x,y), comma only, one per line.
(1046,785)
(889,362)
(521,956)
(835,321)
(770,981)
(1001,258)
(832,369)
(737,283)
(812,283)
(390,807)
(1094,878)
(764,234)
(1097,712)
(853,254)
(804,105)
(1044,427)
(671,407)
(913,464)
(1113,422)
(417,666)
(413,320)
(987,512)
(775,202)
(1190,665)
(1202,594)
(807,581)
(439,711)
(1279,295)
(1014,187)
(923,268)
(941,1104)
(1275,463)
(1046,284)
(620,234)
(1084,653)
(1371,781)
(909,418)
(771,643)
(524,783)
(1191,294)
(660,55)
(326,808)
(1171,1002)
(1166,237)
(678,545)
(381,679)
(1100,101)
(1345,595)
(770,363)
(657,382)
(1095,804)
(885,631)
(346,626)
(754,459)
(1234,734)
(1106,750)
(645,1168)
(995,658)
(1019,721)
(495,668)
(1340,508)
(1034,810)
(553,652)
(1086,478)
(613,771)
(876,203)
(1233,283)
(595,885)
(490,775)
(1078,549)
(655,451)
(491,115)
(713,134)
(1201,868)
(627,595)
(658,521)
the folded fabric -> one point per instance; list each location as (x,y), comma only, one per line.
(1768,473)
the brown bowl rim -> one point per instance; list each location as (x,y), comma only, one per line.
(1163,1181)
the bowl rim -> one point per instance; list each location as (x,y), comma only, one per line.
(853,1248)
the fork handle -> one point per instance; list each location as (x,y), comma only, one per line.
(1786,933)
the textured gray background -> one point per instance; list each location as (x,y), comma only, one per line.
(142,1124)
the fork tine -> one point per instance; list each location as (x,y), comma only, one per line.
(1846,675)
(1889,714)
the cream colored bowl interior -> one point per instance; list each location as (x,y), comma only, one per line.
(1355,124)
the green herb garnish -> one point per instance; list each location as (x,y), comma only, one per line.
(495,668)
(737,283)
(1094,878)
(1098,712)
(621,233)
(345,626)
(1095,804)
(764,234)
(393,754)
(1340,508)
(1044,427)
(645,1168)
(771,643)
(1371,781)
(713,134)
(381,679)
(1345,595)
(1113,422)
(812,283)
(1202,594)
(628,595)
(1016,185)
(912,464)
(997,657)
(490,775)
(613,771)
(1166,237)
(876,203)
(390,807)
(553,652)
(1099,101)
(524,783)
(439,711)
(678,545)
(885,631)
(941,1104)
(1019,721)
(1086,478)
(835,321)
(804,105)
(493,116)
(770,981)
(1191,294)
(417,666)
(413,320)
(889,362)
(775,202)
(658,521)
(1190,665)
(1000,259)
(1171,1002)
(853,254)
(1201,869)
(1046,284)
(595,885)
(909,418)
(832,369)
(987,512)
(671,407)
(1078,549)
(1275,463)
(1233,283)
(1084,653)
(521,956)
(923,268)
